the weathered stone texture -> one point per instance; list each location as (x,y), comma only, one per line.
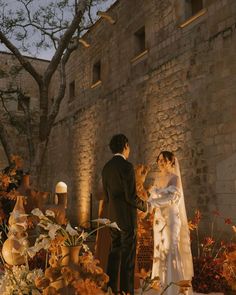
(180,96)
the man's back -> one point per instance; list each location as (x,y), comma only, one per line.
(116,175)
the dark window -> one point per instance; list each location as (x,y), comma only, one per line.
(193,7)
(197,5)
(23,102)
(72,90)
(139,41)
(97,72)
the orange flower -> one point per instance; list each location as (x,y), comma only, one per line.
(52,273)
(53,261)
(228,220)
(191,225)
(42,283)
(209,241)
(67,274)
(156,284)
(17,160)
(232,256)
(50,291)
(87,287)
(5,179)
(183,290)
(184,285)
(12,194)
(90,264)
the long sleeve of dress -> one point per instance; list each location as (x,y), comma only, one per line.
(164,197)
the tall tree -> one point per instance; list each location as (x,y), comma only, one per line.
(49,24)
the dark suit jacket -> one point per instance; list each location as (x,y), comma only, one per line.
(120,193)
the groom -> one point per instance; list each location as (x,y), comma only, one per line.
(120,195)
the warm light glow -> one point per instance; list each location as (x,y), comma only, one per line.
(84,158)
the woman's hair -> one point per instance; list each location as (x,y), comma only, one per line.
(168,156)
(117,143)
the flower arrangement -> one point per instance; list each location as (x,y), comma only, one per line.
(84,273)
(87,275)
(20,280)
(211,256)
(148,283)
(69,236)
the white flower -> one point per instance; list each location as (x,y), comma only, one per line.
(44,226)
(41,237)
(46,243)
(31,252)
(40,244)
(83,235)
(53,228)
(114,225)
(102,220)
(50,213)
(19,280)
(70,230)
(85,247)
(38,212)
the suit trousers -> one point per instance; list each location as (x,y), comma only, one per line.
(121,260)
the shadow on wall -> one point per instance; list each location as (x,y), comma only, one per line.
(226,186)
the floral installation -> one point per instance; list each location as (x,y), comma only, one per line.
(212,252)
(85,274)
(20,280)
(84,277)
(148,283)
(10,177)
(229,266)
(68,235)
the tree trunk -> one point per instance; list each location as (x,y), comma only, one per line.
(43,106)
(5,141)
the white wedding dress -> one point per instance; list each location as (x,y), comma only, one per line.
(172,261)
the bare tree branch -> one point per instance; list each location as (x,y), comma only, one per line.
(23,61)
(64,41)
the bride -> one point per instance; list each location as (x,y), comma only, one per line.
(172,259)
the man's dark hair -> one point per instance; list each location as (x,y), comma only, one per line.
(117,143)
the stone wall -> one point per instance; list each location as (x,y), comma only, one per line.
(24,81)
(178,95)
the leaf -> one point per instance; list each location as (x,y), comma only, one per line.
(184,283)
